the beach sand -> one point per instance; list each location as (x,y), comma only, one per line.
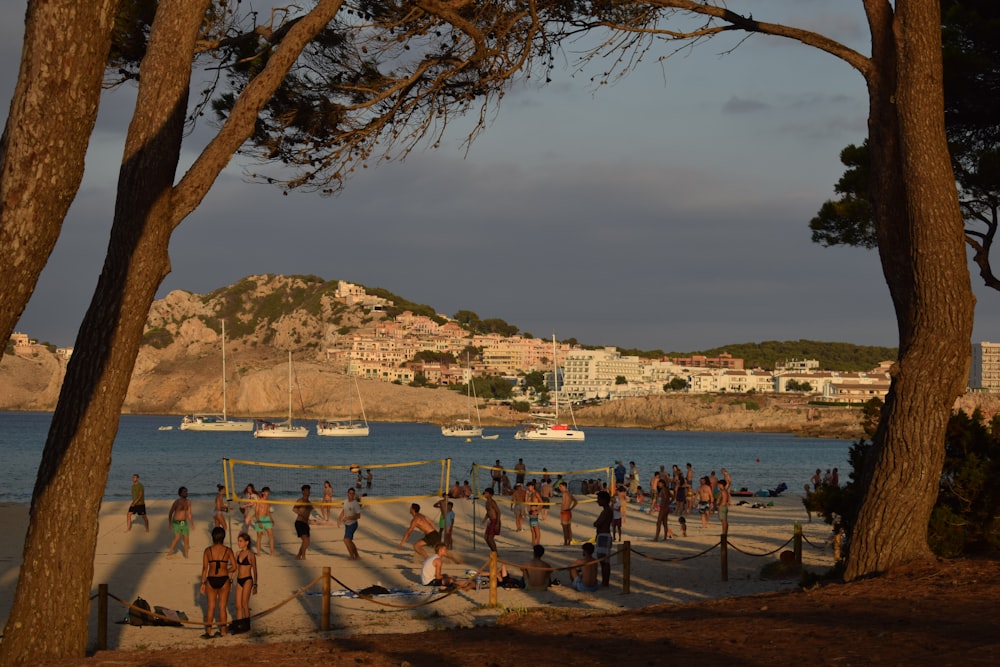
(135,564)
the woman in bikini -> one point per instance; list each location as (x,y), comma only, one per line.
(246,582)
(218,565)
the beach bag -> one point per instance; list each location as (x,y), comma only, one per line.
(136,617)
(168,617)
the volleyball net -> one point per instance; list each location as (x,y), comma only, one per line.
(373,482)
(584,484)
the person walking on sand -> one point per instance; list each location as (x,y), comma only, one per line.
(349,516)
(217,567)
(492,519)
(663,516)
(704,501)
(246,582)
(138,504)
(264,521)
(423,524)
(302,509)
(517,506)
(566,512)
(181,520)
(221,507)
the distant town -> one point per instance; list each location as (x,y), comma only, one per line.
(408,347)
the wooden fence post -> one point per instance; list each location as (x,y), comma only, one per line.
(797,543)
(627,567)
(102,617)
(724,556)
(325,618)
(493,578)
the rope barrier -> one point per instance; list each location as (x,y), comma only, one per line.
(766,553)
(678,559)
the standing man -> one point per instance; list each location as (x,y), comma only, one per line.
(602,525)
(264,521)
(423,524)
(221,507)
(492,519)
(533,502)
(349,516)
(302,509)
(517,506)
(496,475)
(182,521)
(138,504)
(520,469)
(566,512)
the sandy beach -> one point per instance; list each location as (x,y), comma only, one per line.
(135,564)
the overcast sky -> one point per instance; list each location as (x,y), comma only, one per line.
(668,211)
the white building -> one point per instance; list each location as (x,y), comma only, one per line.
(985,372)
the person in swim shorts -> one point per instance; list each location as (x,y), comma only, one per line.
(423,524)
(264,521)
(492,519)
(566,512)
(181,521)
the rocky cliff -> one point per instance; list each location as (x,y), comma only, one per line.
(179,371)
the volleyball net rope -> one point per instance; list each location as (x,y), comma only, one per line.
(374,483)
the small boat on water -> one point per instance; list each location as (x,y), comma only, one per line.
(461,428)
(349,427)
(547,427)
(285,429)
(213,421)
(165,428)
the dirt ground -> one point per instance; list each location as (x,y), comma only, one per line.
(936,613)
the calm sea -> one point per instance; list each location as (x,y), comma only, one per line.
(166,460)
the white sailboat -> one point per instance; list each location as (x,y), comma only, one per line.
(548,427)
(285,429)
(349,427)
(464,428)
(209,421)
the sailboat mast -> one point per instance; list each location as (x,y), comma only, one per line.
(224,407)
(555,374)
(289,389)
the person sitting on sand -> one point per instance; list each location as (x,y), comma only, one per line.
(536,571)
(583,571)
(431,574)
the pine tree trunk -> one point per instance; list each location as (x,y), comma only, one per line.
(50,613)
(922,249)
(52,115)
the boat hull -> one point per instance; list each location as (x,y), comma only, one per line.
(461,431)
(220,425)
(551,434)
(282,432)
(342,430)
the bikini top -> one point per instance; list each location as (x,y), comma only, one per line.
(218,564)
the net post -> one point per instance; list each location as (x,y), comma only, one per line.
(325,606)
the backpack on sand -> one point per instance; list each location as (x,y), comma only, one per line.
(136,617)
